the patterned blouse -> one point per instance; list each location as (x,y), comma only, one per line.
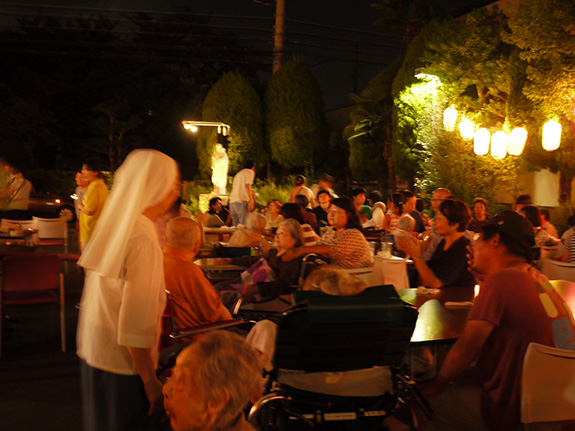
(349,250)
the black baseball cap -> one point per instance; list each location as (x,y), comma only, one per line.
(514,225)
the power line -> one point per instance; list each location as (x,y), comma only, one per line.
(122,55)
(129,21)
(334,27)
(155,12)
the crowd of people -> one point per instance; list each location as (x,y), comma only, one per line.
(138,242)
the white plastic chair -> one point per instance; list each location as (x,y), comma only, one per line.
(556,270)
(373,276)
(394,271)
(53,228)
(548,386)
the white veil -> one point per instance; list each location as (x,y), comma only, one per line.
(143,180)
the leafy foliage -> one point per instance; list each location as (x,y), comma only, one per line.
(543,30)
(232,100)
(454,165)
(266,190)
(369,133)
(103,85)
(295,123)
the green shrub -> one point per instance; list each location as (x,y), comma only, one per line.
(192,194)
(266,190)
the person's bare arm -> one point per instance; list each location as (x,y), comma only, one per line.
(251,205)
(146,369)
(294,253)
(460,357)
(83,209)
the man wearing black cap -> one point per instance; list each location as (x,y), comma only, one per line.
(516,306)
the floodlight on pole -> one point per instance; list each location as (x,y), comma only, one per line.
(192,126)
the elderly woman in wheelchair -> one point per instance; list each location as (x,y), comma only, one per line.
(270,276)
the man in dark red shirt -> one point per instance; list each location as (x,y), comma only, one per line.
(516,306)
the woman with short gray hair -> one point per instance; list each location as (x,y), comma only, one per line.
(270,276)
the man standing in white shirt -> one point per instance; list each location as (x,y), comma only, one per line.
(242,198)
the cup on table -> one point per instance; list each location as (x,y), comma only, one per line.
(386,249)
(372,248)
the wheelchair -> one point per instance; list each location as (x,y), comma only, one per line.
(329,339)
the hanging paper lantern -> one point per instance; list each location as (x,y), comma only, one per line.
(449,119)
(466,128)
(499,142)
(551,135)
(481,142)
(517,139)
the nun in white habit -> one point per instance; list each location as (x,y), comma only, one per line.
(124,297)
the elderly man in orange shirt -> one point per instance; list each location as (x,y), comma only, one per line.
(193,298)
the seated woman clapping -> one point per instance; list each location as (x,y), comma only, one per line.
(271,275)
(447,266)
(343,243)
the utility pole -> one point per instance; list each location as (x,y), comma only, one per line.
(279,35)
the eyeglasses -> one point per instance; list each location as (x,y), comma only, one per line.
(335,211)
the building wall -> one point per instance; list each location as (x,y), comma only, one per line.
(543,186)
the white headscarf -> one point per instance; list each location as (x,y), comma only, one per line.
(143,180)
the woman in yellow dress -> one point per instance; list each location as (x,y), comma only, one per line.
(91,206)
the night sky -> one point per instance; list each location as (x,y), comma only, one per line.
(337,39)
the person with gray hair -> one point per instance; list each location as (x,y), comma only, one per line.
(193,298)
(213,380)
(406,223)
(252,234)
(270,276)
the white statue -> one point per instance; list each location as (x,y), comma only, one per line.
(220,170)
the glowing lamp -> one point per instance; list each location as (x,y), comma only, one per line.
(466,128)
(551,135)
(499,142)
(449,119)
(517,139)
(481,141)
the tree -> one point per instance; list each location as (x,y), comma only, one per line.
(463,63)
(543,30)
(295,124)
(409,16)
(108,89)
(370,132)
(233,101)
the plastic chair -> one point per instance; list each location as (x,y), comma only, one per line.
(52,231)
(547,385)
(556,270)
(324,333)
(372,275)
(32,280)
